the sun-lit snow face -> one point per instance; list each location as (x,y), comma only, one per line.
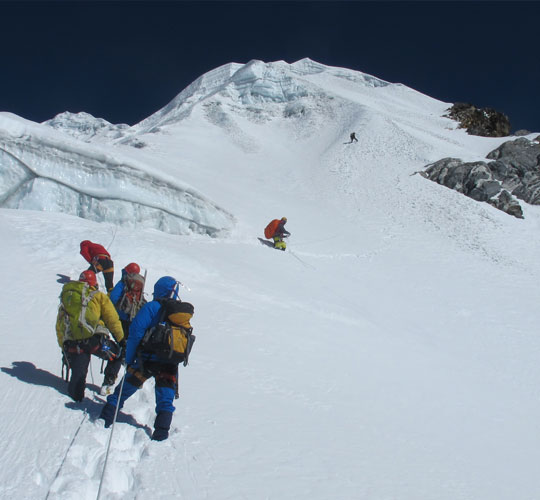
(390,352)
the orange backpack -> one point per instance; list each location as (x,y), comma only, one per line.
(270,230)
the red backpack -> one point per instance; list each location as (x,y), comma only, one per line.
(132,299)
(270,230)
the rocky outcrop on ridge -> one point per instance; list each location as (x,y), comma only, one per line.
(485,122)
(514,173)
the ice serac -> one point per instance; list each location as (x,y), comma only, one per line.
(85,127)
(42,171)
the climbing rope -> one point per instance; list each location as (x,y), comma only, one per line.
(110,437)
(114,236)
(300,260)
(66,454)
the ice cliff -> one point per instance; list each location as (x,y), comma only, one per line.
(42,169)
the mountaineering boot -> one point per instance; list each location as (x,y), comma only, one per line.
(162,425)
(107,414)
(108,383)
(279,244)
(106,389)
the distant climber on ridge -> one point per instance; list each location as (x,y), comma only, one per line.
(276,230)
(353,137)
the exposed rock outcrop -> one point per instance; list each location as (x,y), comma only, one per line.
(486,122)
(514,173)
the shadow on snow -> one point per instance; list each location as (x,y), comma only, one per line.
(28,372)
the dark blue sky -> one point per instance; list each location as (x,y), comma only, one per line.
(124,60)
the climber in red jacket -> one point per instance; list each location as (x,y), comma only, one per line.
(99,260)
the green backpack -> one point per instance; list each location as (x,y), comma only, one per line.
(73,319)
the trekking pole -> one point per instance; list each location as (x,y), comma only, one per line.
(112,431)
(184,286)
(139,304)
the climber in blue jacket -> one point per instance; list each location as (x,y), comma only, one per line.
(142,366)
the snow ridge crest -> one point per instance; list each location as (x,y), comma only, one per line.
(251,84)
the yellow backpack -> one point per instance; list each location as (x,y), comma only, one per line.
(172,338)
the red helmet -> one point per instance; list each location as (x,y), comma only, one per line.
(132,268)
(85,242)
(88,277)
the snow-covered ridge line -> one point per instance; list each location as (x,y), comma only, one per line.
(181,105)
(307,66)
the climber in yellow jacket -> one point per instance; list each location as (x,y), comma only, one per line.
(84,318)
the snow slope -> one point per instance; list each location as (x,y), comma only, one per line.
(390,353)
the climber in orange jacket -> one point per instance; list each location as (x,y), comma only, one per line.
(276,231)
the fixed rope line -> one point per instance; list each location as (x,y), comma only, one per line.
(67,451)
(114,236)
(110,437)
(299,259)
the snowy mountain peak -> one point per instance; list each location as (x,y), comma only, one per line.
(257,83)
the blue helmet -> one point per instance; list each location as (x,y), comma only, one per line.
(166,286)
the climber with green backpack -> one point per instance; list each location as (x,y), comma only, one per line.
(85,317)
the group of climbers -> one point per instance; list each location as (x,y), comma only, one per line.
(150,338)
(86,316)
